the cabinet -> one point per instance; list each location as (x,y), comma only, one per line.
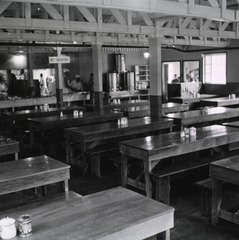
(142,76)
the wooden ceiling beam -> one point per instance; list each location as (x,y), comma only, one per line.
(107,39)
(4,6)
(118,16)
(214,3)
(181,8)
(59,25)
(87,14)
(146,19)
(50,9)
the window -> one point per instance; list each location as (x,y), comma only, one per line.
(214,68)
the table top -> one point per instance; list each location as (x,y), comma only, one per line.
(191,99)
(112,214)
(31,172)
(220,102)
(170,106)
(230,163)
(8,145)
(226,169)
(112,129)
(200,116)
(68,120)
(171,144)
(232,124)
(123,103)
(144,110)
(29,167)
(174,107)
(24,114)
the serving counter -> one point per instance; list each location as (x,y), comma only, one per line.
(27,102)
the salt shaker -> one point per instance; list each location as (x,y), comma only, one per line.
(25,225)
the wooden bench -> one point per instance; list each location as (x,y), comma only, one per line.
(96,154)
(162,176)
(206,187)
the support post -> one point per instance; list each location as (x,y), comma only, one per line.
(155,78)
(98,82)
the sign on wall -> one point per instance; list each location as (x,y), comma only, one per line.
(60,59)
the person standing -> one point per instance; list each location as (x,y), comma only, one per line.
(43,86)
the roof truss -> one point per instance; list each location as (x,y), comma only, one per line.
(81,21)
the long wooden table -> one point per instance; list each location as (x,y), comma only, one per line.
(142,111)
(223,171)
(91,136)
(155,148)
(191,99)
(171,107)
(9,146)
(122,104)
(32,172)
(199,116)
(25,114)
(220,102)
(116,213)
(57,122)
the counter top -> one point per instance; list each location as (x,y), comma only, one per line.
(23,102)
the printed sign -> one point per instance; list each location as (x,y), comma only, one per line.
(61,59)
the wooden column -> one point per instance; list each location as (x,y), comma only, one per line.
(59,81)
(155,78)
(98,82)
(30,73)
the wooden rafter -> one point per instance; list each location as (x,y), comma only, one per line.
(146,19)
(118,16)
(50,9)
(87,14)
(189,8)
(4,6)
(214,3)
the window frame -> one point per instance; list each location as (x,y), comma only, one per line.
(204,69)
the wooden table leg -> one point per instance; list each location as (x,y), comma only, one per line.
(31,136)
(162,190)
(68,149)
(148,182)
(65,186)
(124,170)
(16,156)
(216,200)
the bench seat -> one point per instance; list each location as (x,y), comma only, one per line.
(206,187)
(162,176)
(96,154)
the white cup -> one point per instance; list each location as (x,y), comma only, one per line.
(8,228)
(76,113)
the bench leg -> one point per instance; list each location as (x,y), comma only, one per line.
(95,165)
(207,201)
(216,200)
(164,235)
(162,190)
(124,170)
